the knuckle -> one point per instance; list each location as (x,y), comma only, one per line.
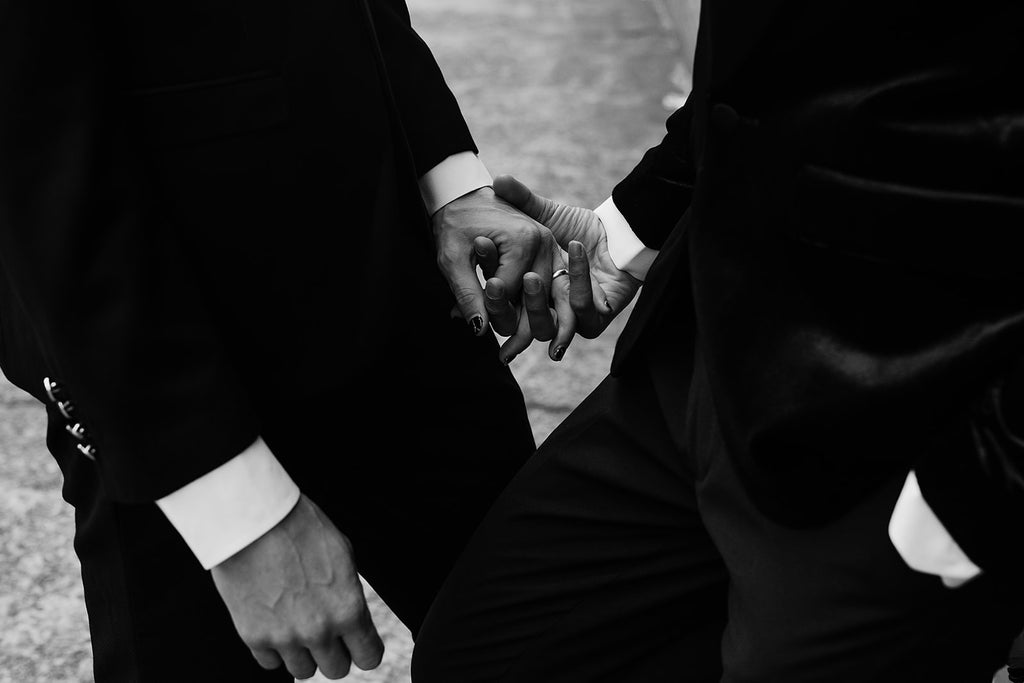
(463,296)
(314,633)
(254,639)
(349,621)
(535,235)
(580,304)
(445,260)
(270,640)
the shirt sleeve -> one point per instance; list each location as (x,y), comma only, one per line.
(626,250)
(458,175)
(923,542)
(225,510)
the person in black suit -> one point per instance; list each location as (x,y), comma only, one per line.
(215,245)
(806,464)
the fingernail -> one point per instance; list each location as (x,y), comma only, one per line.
(532,286)
(576,249)
(559,352)
(508,361)
(477,323)
(607,305)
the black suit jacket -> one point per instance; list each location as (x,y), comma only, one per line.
(839,207)
(208,207)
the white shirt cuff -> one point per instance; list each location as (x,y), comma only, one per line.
(454,177)
(922,541)
(225,510)
(626,250)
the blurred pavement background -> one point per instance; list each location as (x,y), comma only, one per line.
(565,94)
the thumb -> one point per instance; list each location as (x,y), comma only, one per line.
(540,209)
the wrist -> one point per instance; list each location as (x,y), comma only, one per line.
(485,192)
(481,195)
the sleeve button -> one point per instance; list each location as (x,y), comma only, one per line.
(53,389)
(67,409)
(87,450)
(77,430)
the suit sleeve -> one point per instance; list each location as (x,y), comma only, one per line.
(974,477)
(656,194)
(103,277)
(430,116)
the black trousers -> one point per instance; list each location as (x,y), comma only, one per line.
(405,470)
(627,550)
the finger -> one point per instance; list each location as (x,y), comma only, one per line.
(517,343)
(540,209)
(266,658)
(535,300)
(517,259)
(529,250)
(581,293)
(503,315)
(299,662)
(332,659)
(459,271)
(486,256)
(364,643)
(566,319)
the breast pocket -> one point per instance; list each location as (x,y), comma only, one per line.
(210,110)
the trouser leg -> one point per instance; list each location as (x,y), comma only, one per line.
(154,614)
(836,602)
(402,484)
(593,565)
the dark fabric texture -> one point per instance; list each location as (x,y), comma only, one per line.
(210,227)
(628,550)
(849,250)
(405,495)
(192,195)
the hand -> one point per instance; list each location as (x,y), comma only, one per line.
(598,290)
(545,314)
(481,221)
(295,597)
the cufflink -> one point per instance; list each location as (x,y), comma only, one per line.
(87,450)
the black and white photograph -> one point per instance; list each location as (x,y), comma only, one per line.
(511,341)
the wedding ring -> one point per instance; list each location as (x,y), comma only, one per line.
(560,273)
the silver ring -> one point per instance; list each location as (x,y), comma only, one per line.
(560,273)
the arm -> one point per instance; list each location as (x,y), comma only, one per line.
(430,117)
(103,278)
(109,293)
(974,481)
(464,210)
(656,194)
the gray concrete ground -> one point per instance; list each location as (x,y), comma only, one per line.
(563,93)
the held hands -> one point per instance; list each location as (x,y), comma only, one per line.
(295,597)
(596,289)
(481,228)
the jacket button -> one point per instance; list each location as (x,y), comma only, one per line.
(53,389)
(87,450)
(724,119)
(77,430)
(67,409)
